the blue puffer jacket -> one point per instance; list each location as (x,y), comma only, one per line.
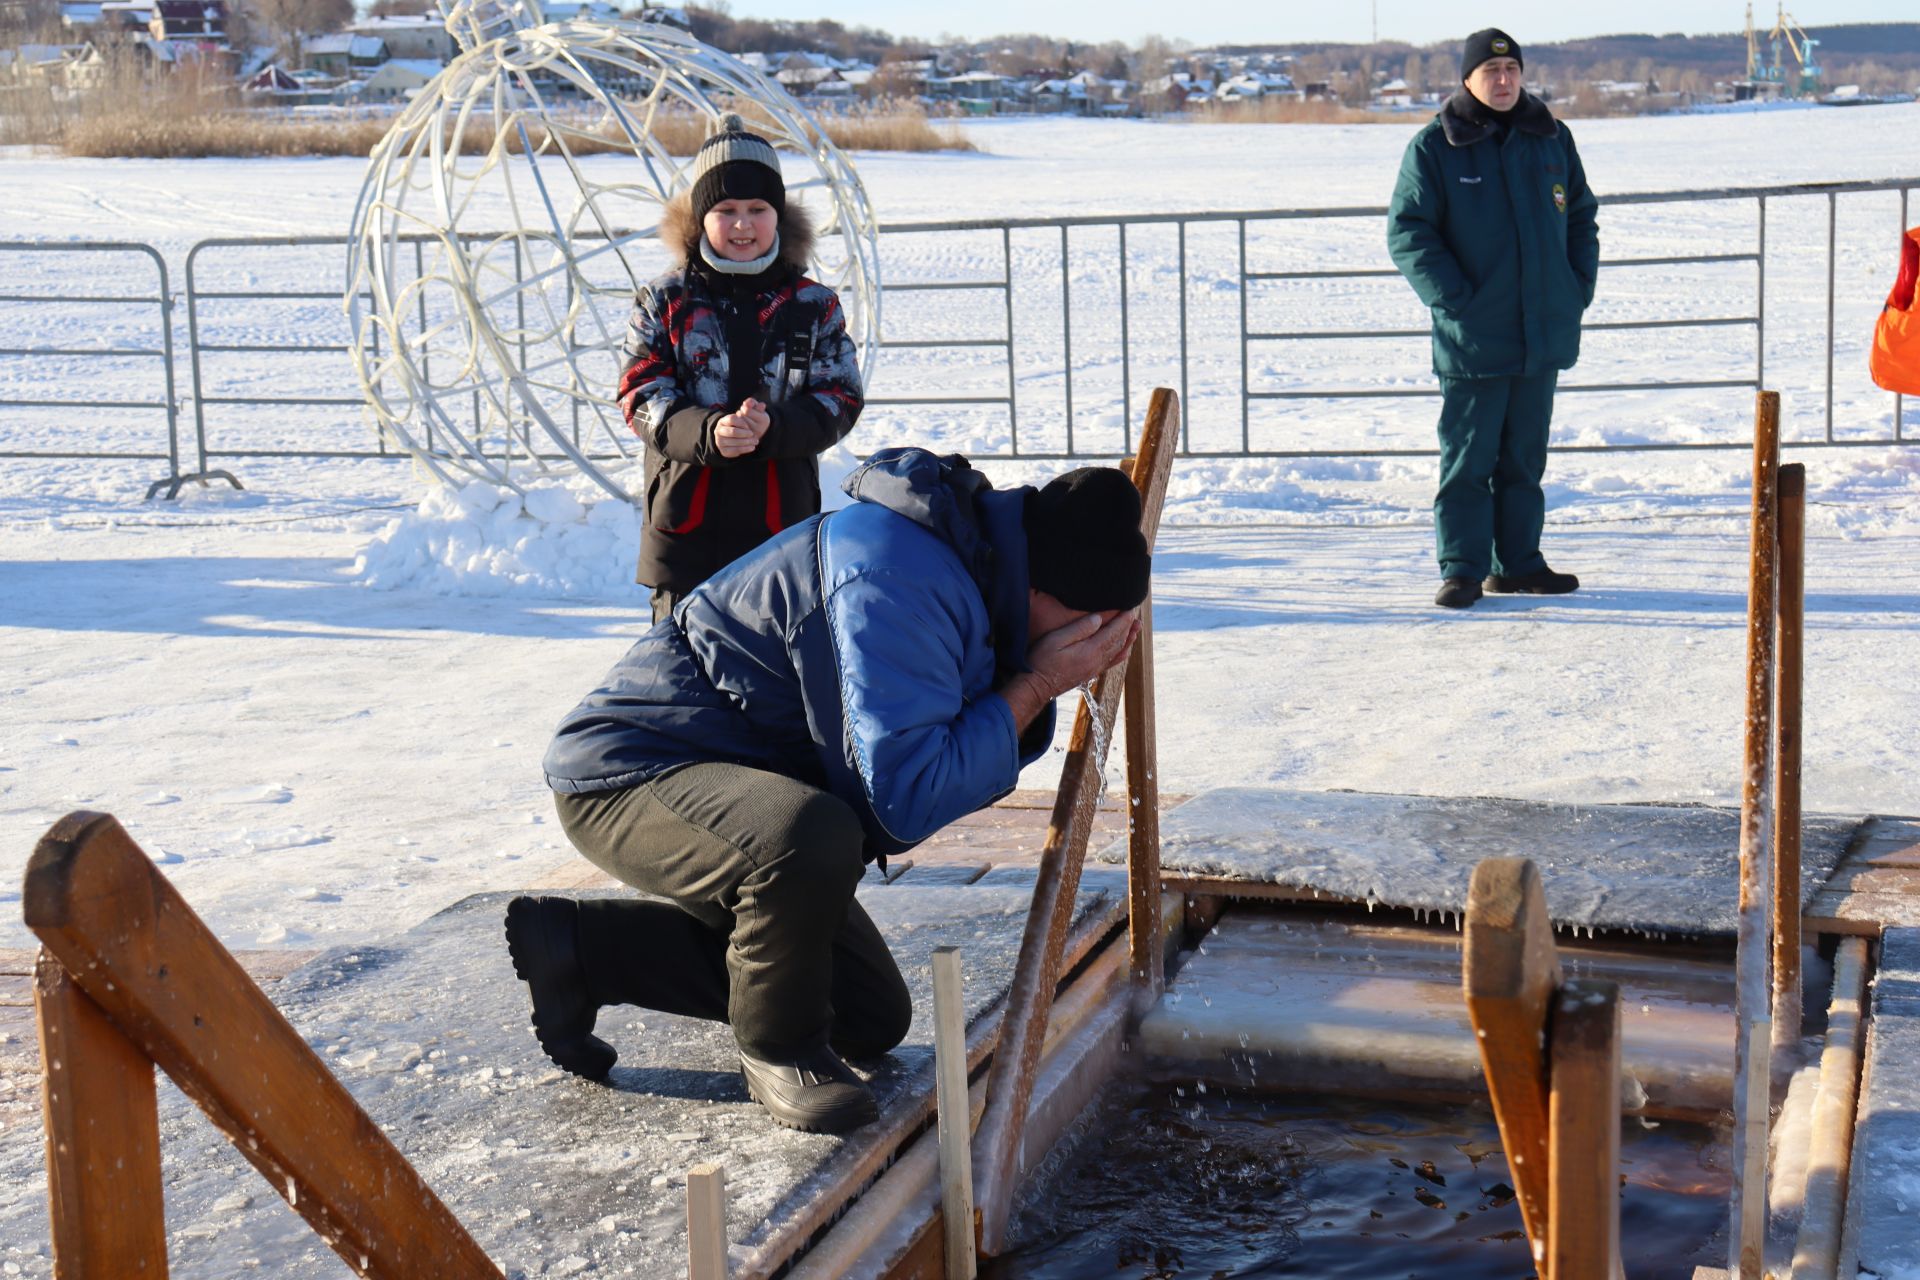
(858,651)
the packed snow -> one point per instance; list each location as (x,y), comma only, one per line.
(321,702)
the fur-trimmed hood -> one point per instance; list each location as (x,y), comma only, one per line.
(680,232)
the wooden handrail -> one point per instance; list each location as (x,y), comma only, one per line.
(1510,970)
(1583,1141)
(126,940)
(1144,926)
(1037,972)
(1789,655)
(1752,991)
(103,1137)
(1551,1050)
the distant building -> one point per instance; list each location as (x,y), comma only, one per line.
(410,39)
(398,79)
(345,54)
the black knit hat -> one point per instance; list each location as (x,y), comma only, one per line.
(736,164)
(1084,546)
(1491,43)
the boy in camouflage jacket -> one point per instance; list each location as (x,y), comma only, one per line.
(736,372)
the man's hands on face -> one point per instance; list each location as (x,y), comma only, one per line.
(739,433)
(1069,656)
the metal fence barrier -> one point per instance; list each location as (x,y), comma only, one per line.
(161,349)
(1146,298)
(1752,315)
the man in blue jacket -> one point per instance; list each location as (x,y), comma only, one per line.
(1493,224)
(834,697)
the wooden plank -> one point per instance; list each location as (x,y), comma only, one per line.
(898,1125)
(1871,878)
(1144,932)
(103,1139)
(1790,616)
(1816,1253)
(1584,1138)
(138,950)
(956,1127)
(1863,915)
(1510,970)
(956,874)
(1753,1036)
(1015,1063)
(1881,1234)
(909,1186)
(706,1222)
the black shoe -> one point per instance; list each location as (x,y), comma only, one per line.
(816,1092)
(1457,593)
(1544,583)
(544,943)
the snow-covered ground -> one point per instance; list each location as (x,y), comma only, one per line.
(326,737)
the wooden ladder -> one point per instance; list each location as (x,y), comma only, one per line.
(129,978)
(997,1143)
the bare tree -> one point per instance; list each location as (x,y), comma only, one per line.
(291,23)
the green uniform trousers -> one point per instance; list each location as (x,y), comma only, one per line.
(1489,509)
(762,930)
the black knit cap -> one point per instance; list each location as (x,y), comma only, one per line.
(736,164)
(1491,43)
(1084,545)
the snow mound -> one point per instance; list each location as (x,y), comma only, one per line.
(484,540)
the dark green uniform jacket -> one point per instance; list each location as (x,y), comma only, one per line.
(1497,236)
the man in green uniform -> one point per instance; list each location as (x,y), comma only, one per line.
(1493,225)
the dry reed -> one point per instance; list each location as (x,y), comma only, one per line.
(174,117)
(1296,111)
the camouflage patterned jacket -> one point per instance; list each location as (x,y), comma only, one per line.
(698,343)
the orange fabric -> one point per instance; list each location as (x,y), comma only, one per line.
(1895,360)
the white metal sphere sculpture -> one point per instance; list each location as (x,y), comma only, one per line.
(510,214)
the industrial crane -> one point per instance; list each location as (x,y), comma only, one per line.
(1787,31)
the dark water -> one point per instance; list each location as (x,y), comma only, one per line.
(1205,1187)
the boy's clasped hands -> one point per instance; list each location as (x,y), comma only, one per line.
(738,433)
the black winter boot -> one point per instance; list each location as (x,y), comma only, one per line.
(814,1091)
(1457,593)
(544,943)
(1544,583)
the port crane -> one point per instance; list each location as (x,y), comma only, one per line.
(1786,31)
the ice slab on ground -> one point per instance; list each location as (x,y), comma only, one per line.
(553,1175)
(1279,1003)
(1661,869)
(1882,1237)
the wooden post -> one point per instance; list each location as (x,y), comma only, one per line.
(955,1113)
(1037,972)
(1143,821)
(706,1222)
(1786,775)
(132,944)
(103,1138)
(1816,1254)
(1752,1021)
(1584,1139)
(1510,970)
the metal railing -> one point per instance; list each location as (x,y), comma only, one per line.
(1247,282)
(160,338)
(1060,307)
(330,334)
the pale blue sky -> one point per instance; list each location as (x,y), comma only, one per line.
(1278,21)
